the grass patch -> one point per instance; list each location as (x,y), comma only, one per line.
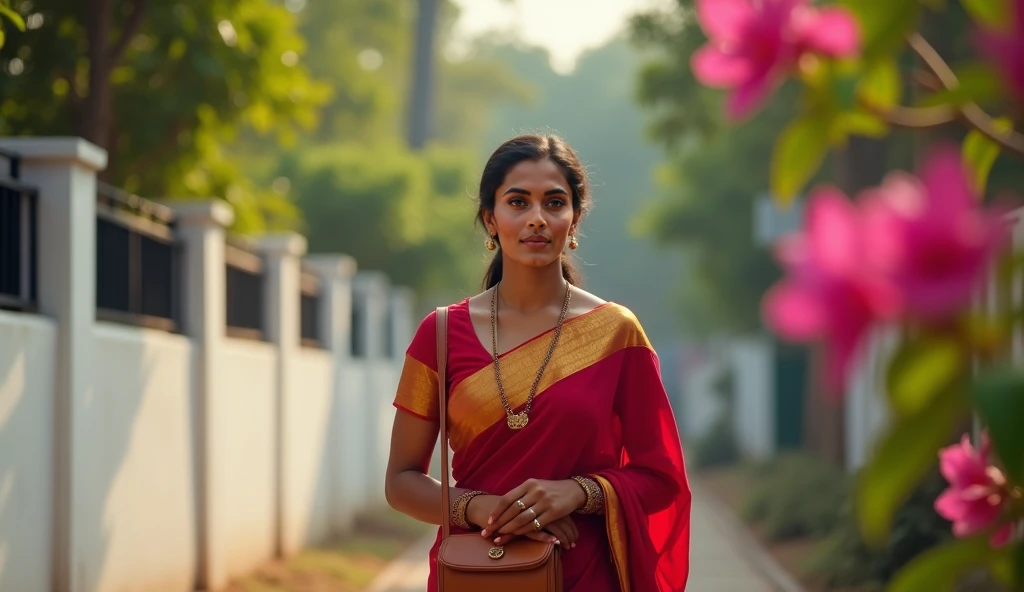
(347,565)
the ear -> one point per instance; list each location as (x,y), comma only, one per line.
(489,223)
(576,215)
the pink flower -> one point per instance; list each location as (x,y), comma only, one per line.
(932,236)
(976,495)
(832,290)
(1006,49)
(753,44)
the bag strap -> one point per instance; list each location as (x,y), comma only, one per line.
(442,395)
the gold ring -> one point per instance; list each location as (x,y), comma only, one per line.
(536,524)
(522,506)
(534,512)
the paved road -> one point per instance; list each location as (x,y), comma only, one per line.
(722,558)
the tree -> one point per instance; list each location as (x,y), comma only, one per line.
(709,182)
(161,84)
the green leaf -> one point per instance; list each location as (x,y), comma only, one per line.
(998,394)
(921,370)
(939,568)
(861,123)
(903,458)
(799,151)
(14,17)
(3,37)
(980,153)
(881,87)
(991,13)
(883,25)
(976,83)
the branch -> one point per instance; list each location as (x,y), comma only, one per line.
(914,117)
(131,29)
(975,116)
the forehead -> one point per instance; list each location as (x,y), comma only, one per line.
(536,173)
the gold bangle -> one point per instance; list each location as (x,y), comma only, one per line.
(595,497)
(459,507)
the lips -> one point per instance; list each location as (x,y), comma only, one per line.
(536,240)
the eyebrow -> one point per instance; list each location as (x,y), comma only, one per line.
(555,191)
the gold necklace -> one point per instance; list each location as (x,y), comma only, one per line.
(518,421)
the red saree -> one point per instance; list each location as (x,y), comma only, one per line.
(600,410)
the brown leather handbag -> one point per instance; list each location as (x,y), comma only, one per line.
(469,562)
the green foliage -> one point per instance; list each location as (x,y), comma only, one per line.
(905,454)
(7,14)
(193,76)
(843,559)
(408,215)
(797,495)
(998,394)
(921,370)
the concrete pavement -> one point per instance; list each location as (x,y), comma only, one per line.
(723,557)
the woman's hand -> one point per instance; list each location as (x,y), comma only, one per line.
(562,532)
(545,502)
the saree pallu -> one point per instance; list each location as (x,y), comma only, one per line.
(601,411)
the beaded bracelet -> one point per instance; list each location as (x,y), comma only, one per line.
(595,497)
(459,507)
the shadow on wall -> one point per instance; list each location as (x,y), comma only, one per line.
(27,350)
(136,512)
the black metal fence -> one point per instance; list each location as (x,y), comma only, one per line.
(138,259)
(245,286)
(310,296)
(18,239)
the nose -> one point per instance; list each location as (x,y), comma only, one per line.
(537,222)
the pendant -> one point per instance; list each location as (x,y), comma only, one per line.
(517,421)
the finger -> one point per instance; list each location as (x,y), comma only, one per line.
(544,518)
(573,528)
(514,513)
(506,501)
(504,539)
(524,521)
(542,536)
(503,512)
(558,529)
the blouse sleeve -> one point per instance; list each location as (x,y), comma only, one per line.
(417,388)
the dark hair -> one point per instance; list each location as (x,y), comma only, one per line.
(515,151)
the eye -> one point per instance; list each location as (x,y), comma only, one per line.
(517,202)
(556,202)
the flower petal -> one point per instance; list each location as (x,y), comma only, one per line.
(945,179)
(1001,536)
(834,232)
(749,96)
(723,20)
(795,312)
(830,31)
(715,68)
(950,506)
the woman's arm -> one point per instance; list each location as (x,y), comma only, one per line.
(407,486)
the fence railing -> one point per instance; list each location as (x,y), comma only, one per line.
(309,322)
(138,276)
(18,239)
(245,288)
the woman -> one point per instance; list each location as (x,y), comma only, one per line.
(558,419)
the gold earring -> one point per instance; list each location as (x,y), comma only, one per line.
(573,243)
(490,244)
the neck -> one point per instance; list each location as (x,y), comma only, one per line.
(529,289)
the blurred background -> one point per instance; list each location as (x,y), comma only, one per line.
(323,155)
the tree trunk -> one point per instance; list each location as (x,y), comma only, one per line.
(421,103)
(92,117)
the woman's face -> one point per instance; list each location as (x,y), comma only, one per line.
(533,214)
